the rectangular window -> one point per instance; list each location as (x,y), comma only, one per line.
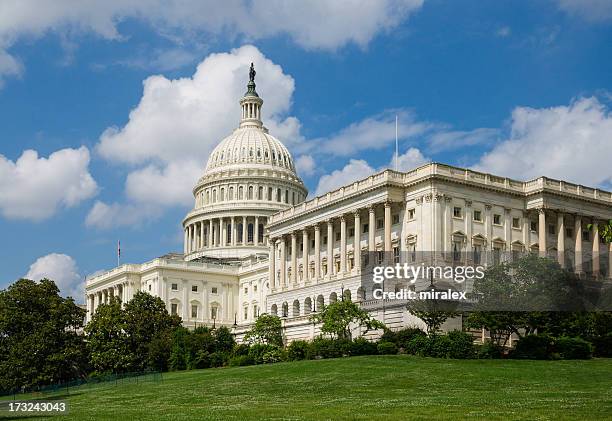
(254,288)
(395,219)
(213,313)
(396,255)
(149,287)
(569,232)
(533,226)
(337,236)
(351,232)
(246,290)
(366,228)
(497,219)
(411,214)
(174,287)
(457,212)
(214,290)
(552,229)
(516,222)
(173,309)
(246,313)
(380,256)
(325,240)
(194,311)
(477,254)
(478,215)
(194,288)
(312,244)
(496,255)
(586,235)
(380,223)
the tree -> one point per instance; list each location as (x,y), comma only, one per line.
(432,312)
(107,340)
(268,329)
(146,318)
(338,317)
(39,339)
(605,230)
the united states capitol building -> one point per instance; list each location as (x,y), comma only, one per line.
(254,243)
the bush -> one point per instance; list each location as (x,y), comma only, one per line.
(240,350)
(489,350)
(574,348)
(462,345)
(602,345)
(419,345)
(240,360)
(533,347)
(386,348)
(202,359)
(218,359)
(361,346)
(257,352)
(298,350)
(441,346)
(329,348)
(401,337)
(274,355)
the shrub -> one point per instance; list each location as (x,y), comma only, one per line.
(602,345)
(298,350)
(489,350)
(240,350)
(272,356)
(462,345)
(329,348)
(573,348)
(419,345)
(218,359)
(240,360)
(361,346)
(441,346)
(533,347)
(257,352)
(386,348)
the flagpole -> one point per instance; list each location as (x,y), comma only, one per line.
(396,146)
(118,251)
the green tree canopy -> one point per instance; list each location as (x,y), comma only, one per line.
(267,329)
(338,317)
(39,336)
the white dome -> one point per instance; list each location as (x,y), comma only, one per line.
(249,145)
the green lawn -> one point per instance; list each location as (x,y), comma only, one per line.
(363,388)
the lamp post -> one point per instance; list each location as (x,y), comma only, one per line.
(342,292)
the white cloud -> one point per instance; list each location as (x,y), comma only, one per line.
(305,165)
(62,269)
(445,140)
(358,169)
(105,216)
(591,10)
(572,143)
(312,25)
(375,132)
(35,188)
(177,123)
(503,32)
(9,66)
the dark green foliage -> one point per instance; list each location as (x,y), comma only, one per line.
(159,351)
(602,345)
(329,348)
(241,349)
(258,351)
(489,350)
(224,340)
(361,346)
(386,348)
(337,319)
(573,348)
(240,360)
(39,343)
(267,330)
(298,350)
(219,359)
(533,347)
(401,337)
(202,359)
(419,345)
(462,345)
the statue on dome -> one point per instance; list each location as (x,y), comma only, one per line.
(252,73)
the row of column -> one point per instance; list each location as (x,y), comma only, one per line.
(213,232)
(578,256)
(281,242)
(123,290)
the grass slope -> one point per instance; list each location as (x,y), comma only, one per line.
(363,388)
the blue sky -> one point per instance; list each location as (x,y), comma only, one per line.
(520,89)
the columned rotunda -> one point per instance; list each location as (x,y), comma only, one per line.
(254,244)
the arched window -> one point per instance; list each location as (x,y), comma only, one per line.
(228,229)
(347,295)
(361,294)
(231,193)
(320,303)
(285,309)
(239,233)
(286,196)
(240,193)
(293,198)
(207,200)
(250,233)
(260,234)
(250,197)
(296,308)
(278,195)
(274,310)
(260,191)
(222,198)
(214,194)
(333,297)
(307,306)
(270,193)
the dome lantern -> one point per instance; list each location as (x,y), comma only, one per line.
(251,104)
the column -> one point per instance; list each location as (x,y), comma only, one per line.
(185,241)
(342,244)
(305,254)
(561,239)
(186,309)
(283,263)
(233,227)
(542,232)
(371,229)
(388,226)
(596,267)
(610,261)
(223,232)
(330,247)
(317,251)
(469,218)
(357,241)
(244,230)
(256,231)
(489,226)
(272,264)
(202,234)
(526,231)
(210,233)
(294,268)
(188,239)
(578,244)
